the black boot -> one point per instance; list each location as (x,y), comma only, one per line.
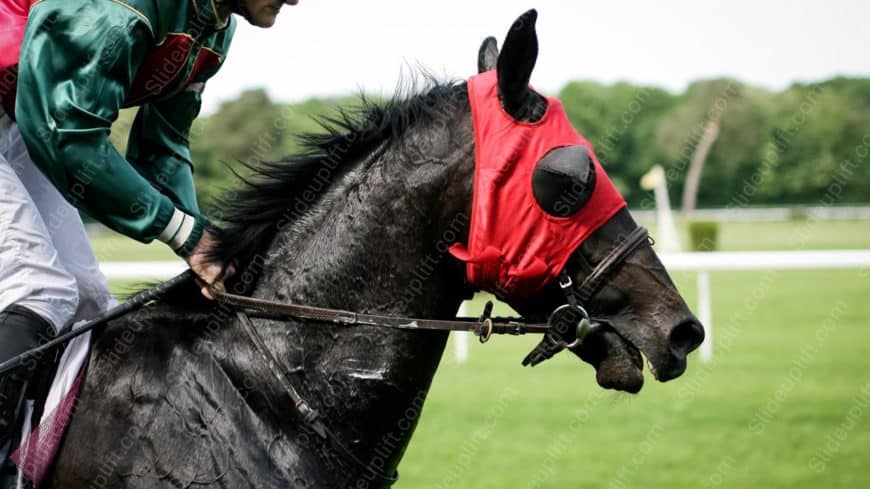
(20,331)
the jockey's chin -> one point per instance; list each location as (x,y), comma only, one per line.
(262,13)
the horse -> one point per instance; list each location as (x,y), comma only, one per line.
(361,219)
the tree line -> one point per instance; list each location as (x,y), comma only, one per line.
(807,144)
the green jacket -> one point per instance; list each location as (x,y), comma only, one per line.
(83,60)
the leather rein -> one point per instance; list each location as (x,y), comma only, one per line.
(483,327)
(556,335)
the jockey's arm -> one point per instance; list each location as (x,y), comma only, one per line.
(76,68)
(159,148)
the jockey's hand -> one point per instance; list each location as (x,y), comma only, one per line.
(209,273)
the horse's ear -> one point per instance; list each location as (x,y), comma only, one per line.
(487,57)
(515,65)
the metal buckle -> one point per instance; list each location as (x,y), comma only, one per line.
(485,330)
(347,318)
(584,324)
(567,283)
(584,328)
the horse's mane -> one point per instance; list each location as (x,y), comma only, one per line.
(251,215)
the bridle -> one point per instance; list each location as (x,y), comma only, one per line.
(570,323)
(567,326)
(483,326)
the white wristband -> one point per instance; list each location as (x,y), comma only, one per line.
(180,226)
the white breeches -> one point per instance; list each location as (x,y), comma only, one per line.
(46,261)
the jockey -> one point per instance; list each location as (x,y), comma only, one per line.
(76,64)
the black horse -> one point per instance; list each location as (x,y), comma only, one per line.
(176,396)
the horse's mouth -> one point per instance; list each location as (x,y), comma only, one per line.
(618,362)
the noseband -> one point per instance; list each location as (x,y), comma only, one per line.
(569,323)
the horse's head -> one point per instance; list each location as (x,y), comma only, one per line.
(565,197)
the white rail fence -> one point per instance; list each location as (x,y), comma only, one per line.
(771,214)
(702,263)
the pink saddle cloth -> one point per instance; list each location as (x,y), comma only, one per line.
(40,444)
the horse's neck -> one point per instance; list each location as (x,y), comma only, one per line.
(380,228)
(375,242)
(371,238)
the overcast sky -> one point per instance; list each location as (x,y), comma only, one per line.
(329,47)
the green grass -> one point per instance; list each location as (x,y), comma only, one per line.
(754,417)
(819,235)
(790,235)
(110,246)
(771,410)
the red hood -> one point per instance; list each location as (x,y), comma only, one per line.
(515,248)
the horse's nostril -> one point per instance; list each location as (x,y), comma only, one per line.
(687,336)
